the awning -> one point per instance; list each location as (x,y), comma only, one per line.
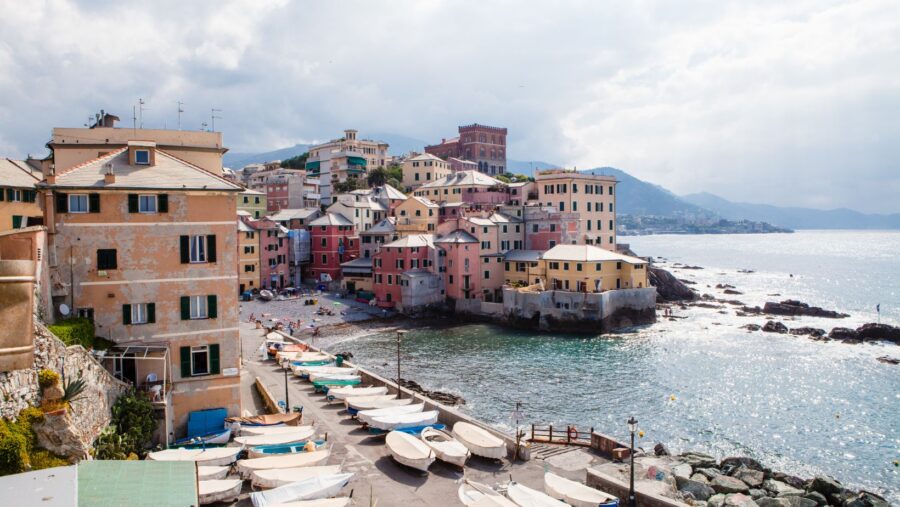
(312,166)
(356,161)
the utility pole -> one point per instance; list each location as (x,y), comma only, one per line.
(180,110)
(213,117)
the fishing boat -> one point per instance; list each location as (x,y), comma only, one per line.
(205,473)
(306,371)
(307,357)
(313,488)
(355,404)
(445,447)
(215,437)
(302,459)
(266,295)
(527,497)
(481,495)
(291,419)
(261,451)
(318,377)
(412,430)
(409,450)
(342,393)
(216,456)
(325,384)
(301,434)
(479,441)
(394,422)
(288,352)
(267,430)
(341,501)
(575,493)
(366,416)
(220,490)
(280,476)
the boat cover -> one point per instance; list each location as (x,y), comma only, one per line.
(292,419)
(479,441)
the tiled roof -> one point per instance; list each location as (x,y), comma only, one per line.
(503,218)
(242,227)
(387,225)
(463,178)
(587,253)
(411,241)
(290,214)
(17,173)
(523,255)
(331,219)
(457,236)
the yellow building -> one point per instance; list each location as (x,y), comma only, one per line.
(248,257)
(470,187)
(416,215)
(592,197)
(523,267)
(20,204)
(423,169)
(253,202)
(579,268)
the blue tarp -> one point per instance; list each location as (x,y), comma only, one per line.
(206,421)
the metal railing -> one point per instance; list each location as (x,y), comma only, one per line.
(568,435)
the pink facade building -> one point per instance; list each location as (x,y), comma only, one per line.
(273,253)
(411,253)
(461,265)
(484,145)
(333,240)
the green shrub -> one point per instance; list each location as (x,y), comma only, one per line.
(75,331)
(47,378)
(73,390)
(111,445)
(42,458)
(18,440)
(131,429)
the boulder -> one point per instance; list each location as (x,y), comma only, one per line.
(700,478)
(817,497)
(697,490)
(717,500)
(660,450)
(810,331)
(865,499)
(775,327)
(799,501)
(741,461)
(682,470)
(669,288)
(843,333)
(795,308)
(696,459)
(709,473)
(872,331)
(726,484)
(781,489)
(751,327)
(767,501)
(887,360)
(756,494)
(790,480)
(739,500)
(52,393)
(749,476)
(732,292)
(826,486)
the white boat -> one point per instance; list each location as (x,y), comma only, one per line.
(305,357)
(280,476)
(527,497)
(342,501)
(374,402)
(396,422)
(219,490)
(366,416)
(266,295)
(249,431)
(409,450)
(445,447)
(214,456)
(475,494)
(336,370)
(342,393)
(479,441)
(205,473)
(301,459)
(300,433)
(316,377)
(574,493)
(313,488)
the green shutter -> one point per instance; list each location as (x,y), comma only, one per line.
(185,308)
(151,313)
(10,194)
(16,221)
(62,203)
(211,310)
(214,359)
(2,195)
(94,203)
(185,362)
(126,314)
(132,203)
(162,203)
(211,248)
(185,249)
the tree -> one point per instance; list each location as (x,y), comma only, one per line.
(504,178)
(297,162)
(377,177)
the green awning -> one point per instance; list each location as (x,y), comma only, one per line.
(356,161)
(312,166)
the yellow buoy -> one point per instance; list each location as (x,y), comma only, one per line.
(641,434)
(672,397)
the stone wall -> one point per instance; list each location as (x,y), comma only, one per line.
(554,310)
(609,484)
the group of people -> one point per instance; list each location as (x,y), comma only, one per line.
(287,324)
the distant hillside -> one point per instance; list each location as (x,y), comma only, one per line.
(238,160)
(637,197)
(795,218)
(527,167)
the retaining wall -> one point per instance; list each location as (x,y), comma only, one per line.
(268,400)
(599,480)
(582,312)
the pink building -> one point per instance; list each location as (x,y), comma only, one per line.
(461,265)
(545,227)
(484,145)
(333,240)
(458,164)
(273,253)
(411,253)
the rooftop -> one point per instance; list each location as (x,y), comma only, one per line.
(413,240)
(457,236)
(523,255)
(294,213)
(587,253)
(17,173)
(331,219)
(549,174)
(388,225)
(463,178)
(137,483)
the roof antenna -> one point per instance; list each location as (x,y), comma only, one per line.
(141,112)
(213,117)
(180,110)
(134,117)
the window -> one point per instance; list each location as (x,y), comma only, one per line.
(324,242)
(78,203)
(200,360)
(565,266)
(249,249)
(147,203)
(198,249)
(142,157)
(578,266)
(139,313)
(599,266)
(249,268)
(106,259)
(487,274)
(552,227)
(554,265)
(618,265)
(199,308)
(324,259)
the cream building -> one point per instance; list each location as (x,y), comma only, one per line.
(586,268)
(592,197)
(248,258)
(253,202)
(344,158)
(20,203)
(422,169)
(416,215)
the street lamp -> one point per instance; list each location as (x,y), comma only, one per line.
(632,427)
(287,396)
(400,334)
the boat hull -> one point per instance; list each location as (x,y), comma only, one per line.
(280,476)
(210,473)
(313,488)
(219,490)
(479,441)
(409,451)
(262,451)
(575,493)
(445,447)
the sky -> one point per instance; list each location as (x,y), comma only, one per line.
(788,103)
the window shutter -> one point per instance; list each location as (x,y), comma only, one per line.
(211,248)
(185,249)
(133,203)
(185,362)
(151,313)
(211,310)
(214,359)
(162,203)
(10,194)
(185,308)
(94,203)
(1,196)
(62,203)
(126,314)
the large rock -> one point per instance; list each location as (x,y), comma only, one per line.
(669,288)
(826,486)
(698,460)
(750,477)
(773,326)
(781,489)
(810,331)
(843,333)
(866,499)
(874,331)
(709,473)
(739,500)
(795,308)
(697,490)
(772,502)
(682,470)
(790,480)
(756,494)
(700,478)
(717,501)
(741,461)
(660,450)
(726,484)
(799,501)
(817,497)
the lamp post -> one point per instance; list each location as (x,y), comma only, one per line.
(632,427)
(400,334)
(287,396)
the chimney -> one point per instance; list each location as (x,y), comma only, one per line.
(109,176)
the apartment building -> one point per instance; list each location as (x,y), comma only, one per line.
(411,253)
(274,252)
(470,187)
(379,234)
(524,267)
(333,241)
(458,164)
(253,202)
(484,145)
(142,242)
(344,158)
(416,215)
(248,258)
(362,210)
(461,265)
(422,169)
(546,227)
(587,268)
(20,203)
(296,218)
(592,197)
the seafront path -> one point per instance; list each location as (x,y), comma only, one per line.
(375,472)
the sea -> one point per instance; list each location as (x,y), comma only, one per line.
(699,381)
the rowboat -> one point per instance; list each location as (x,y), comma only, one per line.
(216,456)
(215,437)
(205,473)
(318,377)
(267,430)
(409,450)
(393,422)
(306,371)
(342,393)
(313,488)
(341,501)
(481,495)
(445,447)
(527,497)
(479,441)
(324,384)
(292,419)
(300,358)
(412,430)
(221,490)
(281,476)
(302,433)
(366,416)
(266,295)
(318,362)
(302,459)
(261,451)
(575,493)
(355,404)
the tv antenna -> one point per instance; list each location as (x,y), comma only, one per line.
(203,126)
(141,108)
(213,117)
(180,110)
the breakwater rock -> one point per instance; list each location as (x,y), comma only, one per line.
(669,288)
(438,396)
(793,307)
(867,333)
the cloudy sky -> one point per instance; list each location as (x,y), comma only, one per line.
(789,103)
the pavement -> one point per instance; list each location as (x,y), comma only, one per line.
(294,310)
(376,474)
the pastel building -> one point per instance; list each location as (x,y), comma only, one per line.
(274,250)
(296,218)
(471,187)
(592,197)
(524,267)
(587,268)
(344,158)
(417,215)
(422,169)
(20,204)
(379,234)
(484,145)
(253,202)
(410,253)
(249,271)
(546,227)
(333,241)
(461,265)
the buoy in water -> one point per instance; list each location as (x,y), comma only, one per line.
(672,397)
(641,433)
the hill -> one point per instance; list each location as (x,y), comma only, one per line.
(527,167)
(238,160)
(638,197)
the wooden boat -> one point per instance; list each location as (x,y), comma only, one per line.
(475,494)
(292,419)
(288,351)
(479,441)
(342,393)
(355,404)
(205,473)
(527,497)
(281,476)
(394,422)
(303,459)
(299,358)
(326,383)
(261,451)
(319,362)
(313,488)
(216,437)
(341,501)
(302,433)
(318,377)
(221,490)
(267,430)
(216,456)
(306,371)
(575,493)
(366,416)
(445,447)
(266,295)
(412,430)
(409,450)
